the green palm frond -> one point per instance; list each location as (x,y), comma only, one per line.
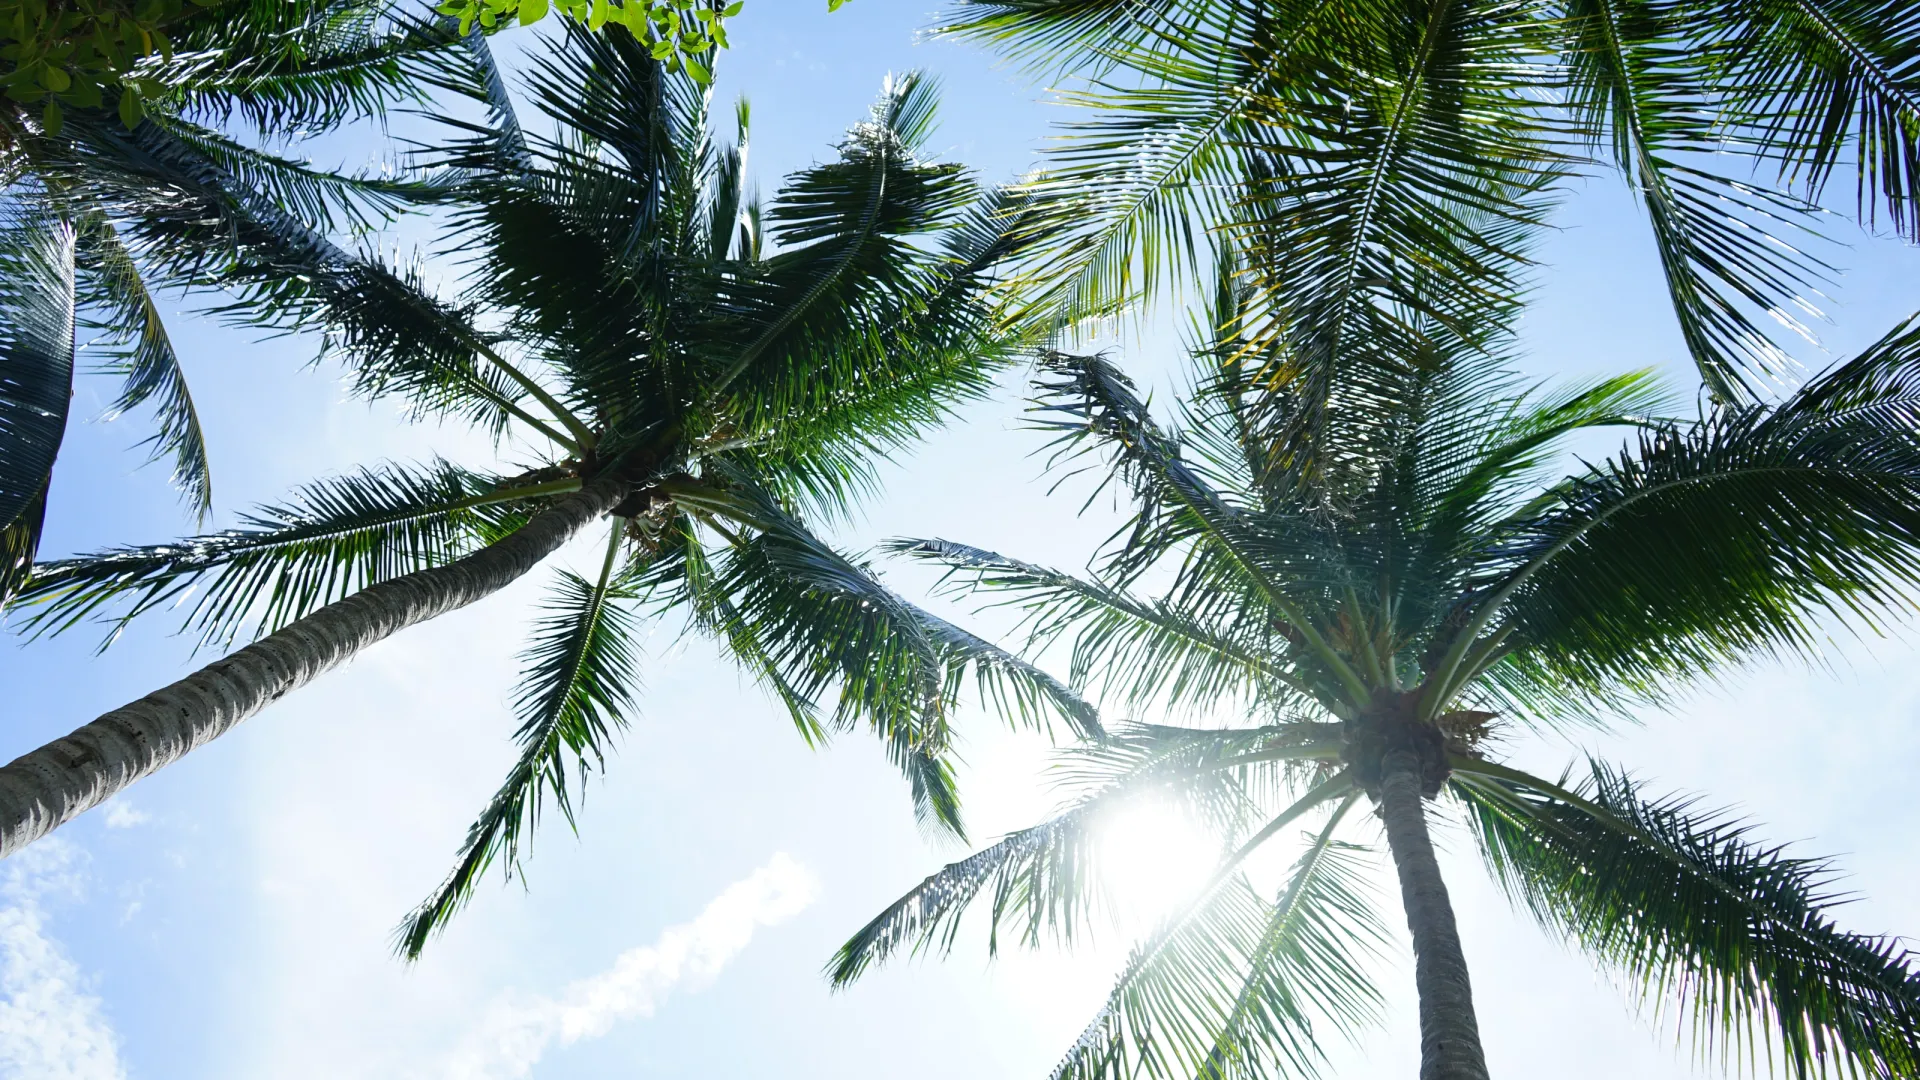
(1826,81)
(1042,876)
(607,88)
(1136,192)
(332,539)
(36,374)
(1065,35)
(730,189)
(141,352)
(846,261)
(308,65)
(824,624)
(191,221)
(808,563)
(1394,227)
(714,613)
(587,246)
(575,691)
(1705,544)
(892,371)
(1242,562)
(1729,248)
(1476,464)
(329,201)
(1147,651)
(1310,960)
(498,146)
(1689,906)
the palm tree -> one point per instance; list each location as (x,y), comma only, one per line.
(1360,133)
(699,393)
(1392,598)
(83,200)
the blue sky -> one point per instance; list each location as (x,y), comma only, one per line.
(230,917)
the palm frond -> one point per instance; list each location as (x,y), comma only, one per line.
(1138,191)
(575,691)
(328,201)
(1389,228)
(1244,566)
(713,612)
(1688,904)
(1822,82)
(843,225)
(824,622)
(892,369)
(1311,960)
(1148,651)
(1233,986)
(1075,35)
(333,538)
(1043,881)
(1727,247)
(141,352)
(191,222)
(36,374)
(301,66)
(1475,464)
(1708,543)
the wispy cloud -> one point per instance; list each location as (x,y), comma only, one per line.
(120,814)
(50,1027)
(687,957)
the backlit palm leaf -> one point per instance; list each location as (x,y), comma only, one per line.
(1232,987)
(36,375)
(332,539)
(1145,651)
(1825,82)
(1728,247)
(1735,535)
(141,351)
(822,621)
(1042,881)
(576,690)
(1691,908)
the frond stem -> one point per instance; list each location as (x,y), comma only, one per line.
(583,436)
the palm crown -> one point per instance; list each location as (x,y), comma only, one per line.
(85,208)
(1391,602)
(703,379)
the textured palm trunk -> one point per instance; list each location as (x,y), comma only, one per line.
(44,789)
(1449,1032)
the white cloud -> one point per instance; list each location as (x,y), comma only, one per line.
(120,814)
(686,957)
(50,1027)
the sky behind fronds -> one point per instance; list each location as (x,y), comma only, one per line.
(231,917)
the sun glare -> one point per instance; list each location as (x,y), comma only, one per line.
(1154,858)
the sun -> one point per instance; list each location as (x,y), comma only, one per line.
(1154,858)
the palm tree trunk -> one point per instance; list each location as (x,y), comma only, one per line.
(44,789)
(1449,1032)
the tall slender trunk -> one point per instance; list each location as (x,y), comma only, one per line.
(1449,1032)
(43,790)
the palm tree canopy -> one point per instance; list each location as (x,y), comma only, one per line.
(1346,130)
(96,186)
(626,303)
(1413,578)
